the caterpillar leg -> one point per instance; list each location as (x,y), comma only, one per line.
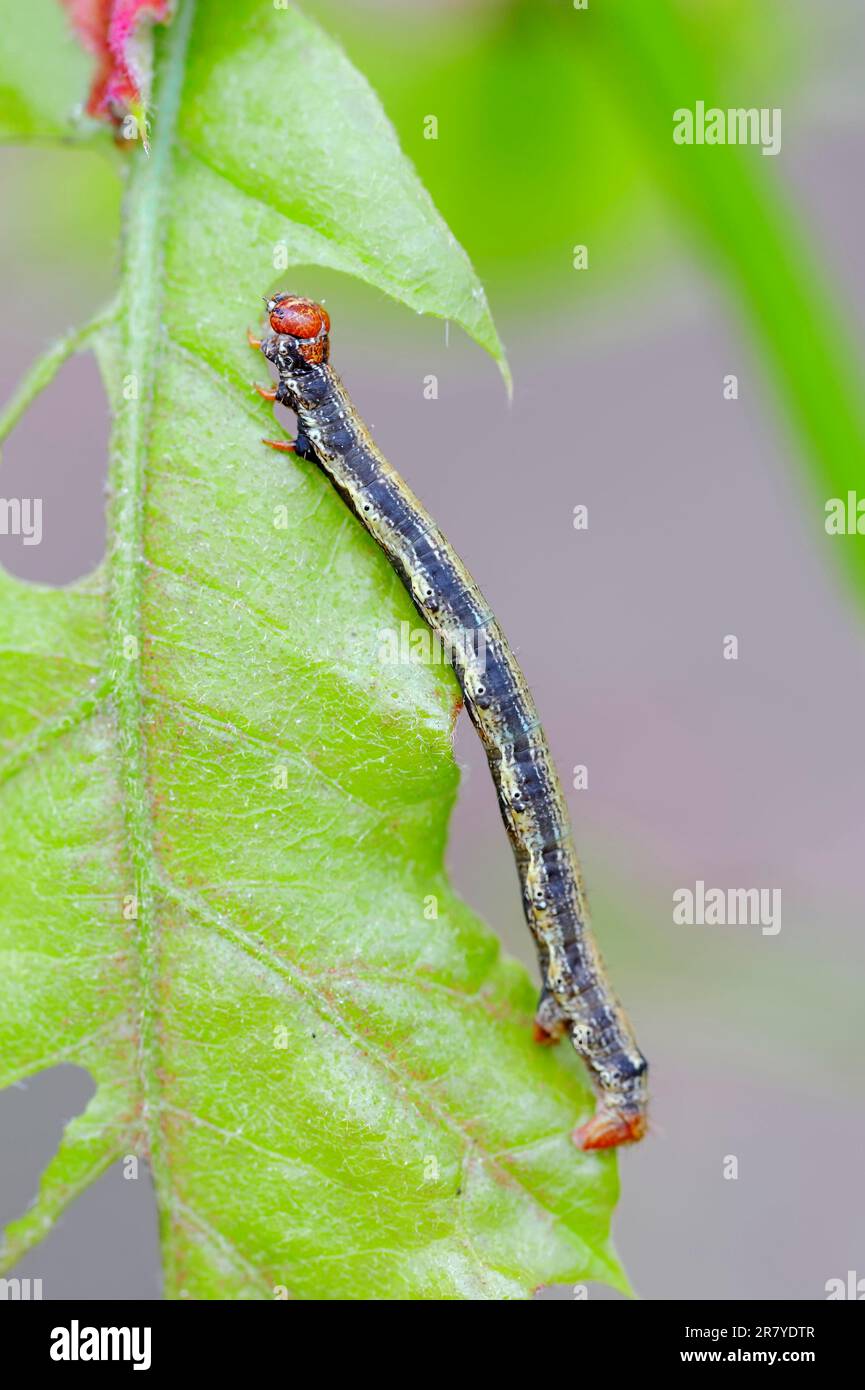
(300,446)
(608,1128)
(619,1078)
(252,340)
(271,393)
(621,1082)
(550,1022)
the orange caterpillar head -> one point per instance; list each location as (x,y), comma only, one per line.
(304,321)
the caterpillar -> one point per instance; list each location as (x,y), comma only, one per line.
(576,995)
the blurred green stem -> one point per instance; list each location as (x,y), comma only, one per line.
(737,207)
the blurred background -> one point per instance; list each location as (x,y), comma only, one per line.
(705,519)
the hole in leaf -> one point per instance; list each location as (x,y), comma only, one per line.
(52,480)
(104,1246)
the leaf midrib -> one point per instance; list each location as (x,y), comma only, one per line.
(139,323)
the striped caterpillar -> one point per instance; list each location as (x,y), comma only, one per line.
(576,997)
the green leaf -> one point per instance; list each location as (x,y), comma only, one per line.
(222,881)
